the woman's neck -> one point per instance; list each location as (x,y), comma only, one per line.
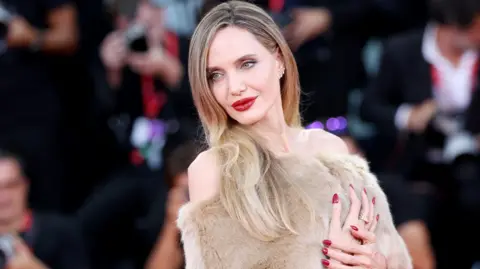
(274,129)
(447,45)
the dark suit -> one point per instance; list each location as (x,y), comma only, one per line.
(405,78)
(57,241)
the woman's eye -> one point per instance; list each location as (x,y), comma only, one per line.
(215,76)
(248,64)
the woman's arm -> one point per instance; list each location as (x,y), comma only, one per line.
(203,182)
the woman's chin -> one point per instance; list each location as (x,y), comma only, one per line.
(248,117)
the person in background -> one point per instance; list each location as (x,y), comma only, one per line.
(154,61)
(145,128)
(409,210)
(168,252)
(41,241)
(142,81)
(29,105)
(424,98)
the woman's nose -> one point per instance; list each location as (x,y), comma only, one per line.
(236,85)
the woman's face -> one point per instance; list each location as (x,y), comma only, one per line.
(243,75)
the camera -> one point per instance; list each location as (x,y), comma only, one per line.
(5,19)
(136,38)
(6,249)
(446,131)
(460,147)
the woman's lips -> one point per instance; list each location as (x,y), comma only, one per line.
(244,104)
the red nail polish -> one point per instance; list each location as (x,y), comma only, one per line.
(335,199)
(327,243)
(373,200)
(354,228)
(351,186)
(325,251)
(378,216)
(326,263)
(365,190)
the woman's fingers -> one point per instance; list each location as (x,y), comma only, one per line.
(371,214)
(347,259)
(335,222)
(365,211)
(355,204)
(374,223)
(349,248)
(366,236)
(337,265)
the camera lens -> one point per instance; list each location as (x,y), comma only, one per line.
(136,38)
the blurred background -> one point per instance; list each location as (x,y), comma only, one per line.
(98,127)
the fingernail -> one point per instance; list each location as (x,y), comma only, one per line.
(326,263)
(365,190)
(335,199)
(327,243)
(373,200)
(325,251)
(351,186)
(354,228)
(378,216)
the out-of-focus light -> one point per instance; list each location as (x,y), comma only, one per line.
(342,122)
(315,125)
(333,124)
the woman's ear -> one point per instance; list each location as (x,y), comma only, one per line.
(280,61)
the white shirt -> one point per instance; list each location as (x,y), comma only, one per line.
(454,89)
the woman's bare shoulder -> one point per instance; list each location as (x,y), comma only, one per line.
(204,176)
(324,142)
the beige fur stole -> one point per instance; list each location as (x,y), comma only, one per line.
(213,240)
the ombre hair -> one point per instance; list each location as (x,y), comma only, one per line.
(253,179)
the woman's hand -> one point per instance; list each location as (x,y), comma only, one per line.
(352,245)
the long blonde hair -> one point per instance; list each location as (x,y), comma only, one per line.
(252,178)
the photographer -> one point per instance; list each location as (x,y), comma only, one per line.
(168,252)
(427,83)
(142,52)
(29,240)
(142,63)
(32,33)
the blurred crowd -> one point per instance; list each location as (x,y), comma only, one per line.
(98,127)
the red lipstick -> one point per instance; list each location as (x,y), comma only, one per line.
(244,104)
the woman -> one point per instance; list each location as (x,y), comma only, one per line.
(261,194)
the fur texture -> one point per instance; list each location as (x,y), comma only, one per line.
(213,240)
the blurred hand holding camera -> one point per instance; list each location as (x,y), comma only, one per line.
(23,258)
(20,33)
(421,115)
(148,63)
(308,23)
(114,51)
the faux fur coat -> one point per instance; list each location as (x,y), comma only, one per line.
(213,240)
